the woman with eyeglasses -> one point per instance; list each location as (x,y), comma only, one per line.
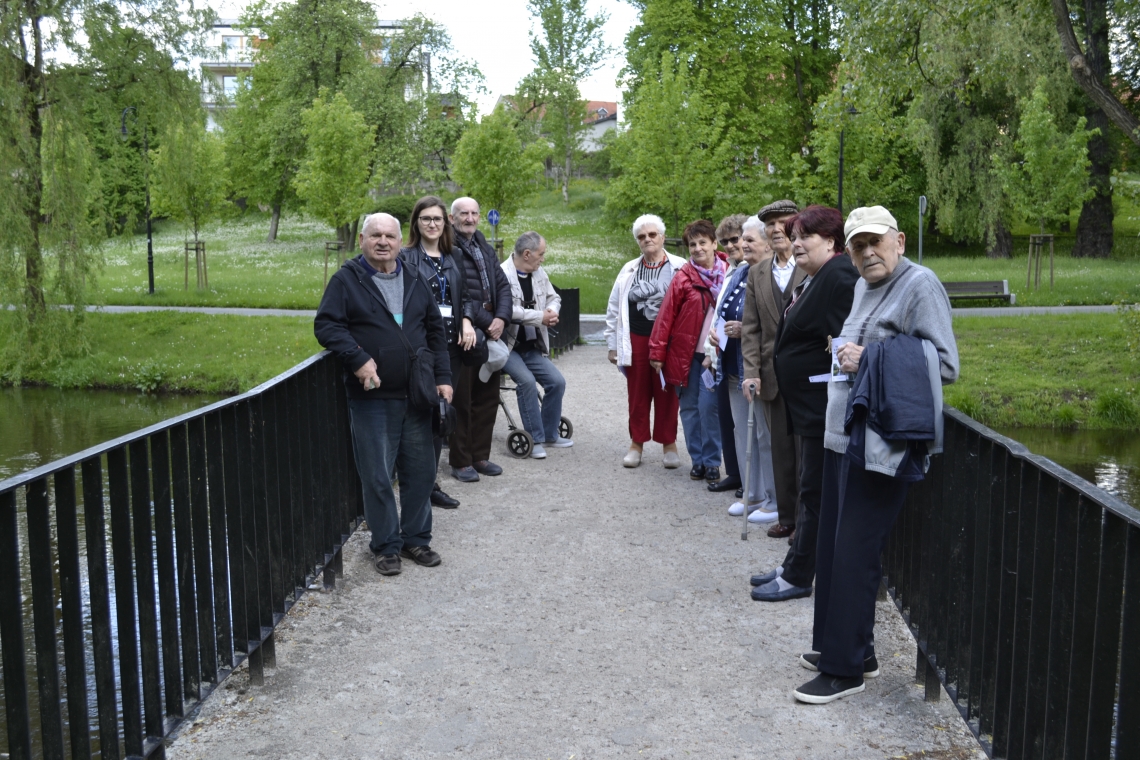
(431,253)
(635,300)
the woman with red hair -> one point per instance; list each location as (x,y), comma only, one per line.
(820,304)
(677,345)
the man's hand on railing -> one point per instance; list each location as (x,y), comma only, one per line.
(367,375)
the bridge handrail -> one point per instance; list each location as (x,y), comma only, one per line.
(1019,581)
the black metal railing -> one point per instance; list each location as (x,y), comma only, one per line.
(200,533)
(569,330)
(1021,584)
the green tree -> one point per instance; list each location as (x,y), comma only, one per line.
(569,49)
(332,181)
(673,157)
(190,184)
(59,62)
(493,166)
(1052,176)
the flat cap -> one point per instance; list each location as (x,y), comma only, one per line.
(778,208)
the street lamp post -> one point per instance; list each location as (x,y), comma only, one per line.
(850,110)
(146,184)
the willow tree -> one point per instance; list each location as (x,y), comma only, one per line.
(59,61)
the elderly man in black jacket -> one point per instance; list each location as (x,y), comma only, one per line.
(477,402)
(373,311)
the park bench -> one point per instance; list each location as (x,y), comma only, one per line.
(981,290)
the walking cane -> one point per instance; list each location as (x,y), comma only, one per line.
(748,457)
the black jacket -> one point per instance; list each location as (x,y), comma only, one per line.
(453,274)
(500,293)
(354,322)
(803,343)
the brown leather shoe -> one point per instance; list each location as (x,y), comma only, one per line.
(780,531)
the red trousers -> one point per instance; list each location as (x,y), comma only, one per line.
(644,387)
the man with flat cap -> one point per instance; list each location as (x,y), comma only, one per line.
(769,292)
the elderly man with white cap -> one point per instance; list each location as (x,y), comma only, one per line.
(884,412)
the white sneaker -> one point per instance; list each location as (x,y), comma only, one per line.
(737,509)
(763,515)
(537,452)
(560,443)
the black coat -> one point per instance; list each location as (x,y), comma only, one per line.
(803,347)
(500,294)
(354,323)
(454,275)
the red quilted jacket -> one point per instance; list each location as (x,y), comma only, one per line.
(676,331)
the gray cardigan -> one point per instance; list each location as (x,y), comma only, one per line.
(910,301)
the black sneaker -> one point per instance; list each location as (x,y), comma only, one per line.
(421,555)
(810,660)
(387,564)
(824,688)
(698,472)
(441,499)
(712,474)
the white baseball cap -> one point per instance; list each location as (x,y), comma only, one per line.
(875,219)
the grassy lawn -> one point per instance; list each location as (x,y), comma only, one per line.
(583,252)
(177,352)
(1050,371)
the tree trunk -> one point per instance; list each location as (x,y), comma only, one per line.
(32,79)
(1000,243)
(274,220)
(1083,73)
(352,234)
(566,178)
(1094,227)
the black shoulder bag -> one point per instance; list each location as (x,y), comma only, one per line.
(422,392)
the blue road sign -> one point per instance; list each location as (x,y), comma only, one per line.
(493,217)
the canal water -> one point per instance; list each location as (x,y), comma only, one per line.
(40,425)
(1108,458)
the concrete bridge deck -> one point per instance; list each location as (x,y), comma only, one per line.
(582,610)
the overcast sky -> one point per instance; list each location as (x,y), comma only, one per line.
(495,36)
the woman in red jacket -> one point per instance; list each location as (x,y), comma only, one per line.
(676,347)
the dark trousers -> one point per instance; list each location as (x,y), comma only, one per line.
(799,565)
(857,511)
(785,461)
(727,428)
(388,435)
(476,406)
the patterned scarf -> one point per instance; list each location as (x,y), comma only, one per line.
(713,278)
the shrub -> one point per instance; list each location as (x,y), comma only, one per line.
(1066,416)
(1117,409)
(399,206)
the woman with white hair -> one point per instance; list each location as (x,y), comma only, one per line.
(634,303)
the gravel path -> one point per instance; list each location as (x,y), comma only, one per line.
(582,610)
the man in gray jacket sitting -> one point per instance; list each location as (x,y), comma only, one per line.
(535,310)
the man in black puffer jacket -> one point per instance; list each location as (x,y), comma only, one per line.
(365,308)
(477,402)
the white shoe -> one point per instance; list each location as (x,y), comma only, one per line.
(632,458)
(762,515)
(671,460)
(537,452)
(560,443)
(737,508)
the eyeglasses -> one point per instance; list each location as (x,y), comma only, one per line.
(432,221)
(646,235)
(726,242)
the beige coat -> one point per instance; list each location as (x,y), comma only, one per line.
(545,297)
(762,314)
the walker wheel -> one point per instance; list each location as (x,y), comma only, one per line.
(520,444)
(565,428)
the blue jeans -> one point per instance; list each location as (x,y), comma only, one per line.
(699,418)
(387,434)
(527,369)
